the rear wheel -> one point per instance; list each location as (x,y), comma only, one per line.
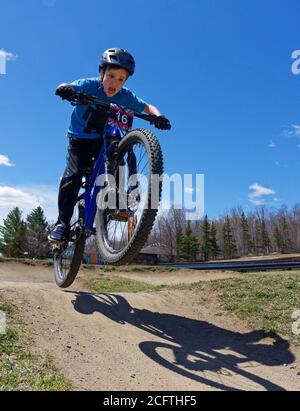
(121,235)
(68,255)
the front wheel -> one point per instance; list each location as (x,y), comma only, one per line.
(120,236)
(68,256)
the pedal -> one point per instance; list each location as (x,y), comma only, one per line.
(56,246)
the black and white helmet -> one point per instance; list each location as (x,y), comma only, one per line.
(118,57)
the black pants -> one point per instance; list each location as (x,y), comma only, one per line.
(80,155)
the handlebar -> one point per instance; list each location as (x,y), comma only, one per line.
(79,98)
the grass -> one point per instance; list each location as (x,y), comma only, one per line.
(264,300)
(118,285)
(20,369)
(110,282)
(133,268)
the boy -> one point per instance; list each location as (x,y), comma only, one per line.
(85,131)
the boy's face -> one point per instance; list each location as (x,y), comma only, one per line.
(113,80)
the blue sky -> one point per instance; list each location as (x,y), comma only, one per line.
(220,70)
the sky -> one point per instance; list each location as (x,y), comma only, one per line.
(221,71)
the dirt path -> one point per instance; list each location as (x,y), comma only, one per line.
(171,340)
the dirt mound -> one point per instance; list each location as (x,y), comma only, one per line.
(170,340)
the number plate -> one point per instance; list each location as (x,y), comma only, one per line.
(121,118)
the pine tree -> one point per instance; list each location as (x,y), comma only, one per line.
(189,244)
(215,250)
(247,244)
(188,230)
(278,239)
(37,232)
(179,238)
(258,236)
(206,240)
(266,242)
(263,242)
(229,245)
(12,234)
(285,235)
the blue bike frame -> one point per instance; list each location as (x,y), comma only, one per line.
(92,189)
(90,194)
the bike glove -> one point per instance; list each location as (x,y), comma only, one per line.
(161,122)
(65,91)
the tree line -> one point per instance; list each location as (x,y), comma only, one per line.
(235,234)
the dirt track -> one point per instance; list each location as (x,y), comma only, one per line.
(171,340)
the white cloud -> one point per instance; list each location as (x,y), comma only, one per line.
(8,56)
(10,196)
(292,131)
(272,144)
(5,161)
(258,193)
(28,198)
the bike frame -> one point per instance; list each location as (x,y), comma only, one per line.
(91,188)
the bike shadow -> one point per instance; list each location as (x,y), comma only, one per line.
(199,349)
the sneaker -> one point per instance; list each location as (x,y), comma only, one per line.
(58,233)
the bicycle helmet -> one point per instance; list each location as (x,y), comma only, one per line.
(118,57)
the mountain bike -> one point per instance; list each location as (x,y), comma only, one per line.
(120,193)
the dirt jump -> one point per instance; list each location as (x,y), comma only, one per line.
(166,340)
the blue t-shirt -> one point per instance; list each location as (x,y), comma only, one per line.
(82,116)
